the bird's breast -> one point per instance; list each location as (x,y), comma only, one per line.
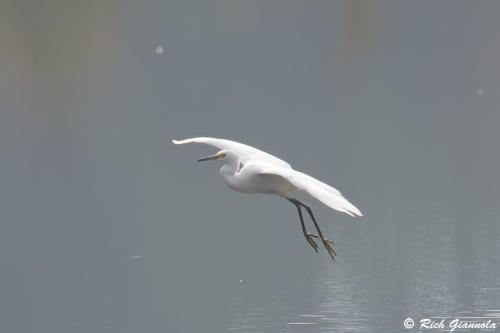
(250,180)
(239,184)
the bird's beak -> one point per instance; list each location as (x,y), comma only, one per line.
(211,157)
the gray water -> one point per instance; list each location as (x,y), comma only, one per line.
(108,227)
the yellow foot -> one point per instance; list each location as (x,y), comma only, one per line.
(329,247)
(310,240)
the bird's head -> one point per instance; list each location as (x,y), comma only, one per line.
(221,155)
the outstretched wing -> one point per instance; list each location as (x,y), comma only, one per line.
(319,190)
(245,152)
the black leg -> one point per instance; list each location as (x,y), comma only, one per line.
(309,237)
(326,242)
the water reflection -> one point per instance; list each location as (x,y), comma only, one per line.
(352,295)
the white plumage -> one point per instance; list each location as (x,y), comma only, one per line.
(245,153)
(323,192)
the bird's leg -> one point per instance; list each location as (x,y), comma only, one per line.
(309,237)
(326,242)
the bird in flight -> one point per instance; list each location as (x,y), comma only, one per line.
(249,170)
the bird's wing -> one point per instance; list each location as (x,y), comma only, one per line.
(245,152)
(319,190)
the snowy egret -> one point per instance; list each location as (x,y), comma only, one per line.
(249,170)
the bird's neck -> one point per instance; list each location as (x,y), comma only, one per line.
(229,172)
(230,167)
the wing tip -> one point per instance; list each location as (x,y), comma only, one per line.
(181,142)
(178,142)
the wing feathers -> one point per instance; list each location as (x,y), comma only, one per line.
(245,152)
(317,189)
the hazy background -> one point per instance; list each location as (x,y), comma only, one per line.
(108,227)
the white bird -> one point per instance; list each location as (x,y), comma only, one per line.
(249,170)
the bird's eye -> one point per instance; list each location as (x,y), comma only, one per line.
(222,154)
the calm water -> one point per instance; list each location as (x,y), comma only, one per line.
(374,285)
